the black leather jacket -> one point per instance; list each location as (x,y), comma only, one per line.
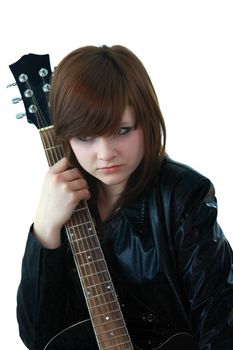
(170,263)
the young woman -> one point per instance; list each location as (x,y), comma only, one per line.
(170,263)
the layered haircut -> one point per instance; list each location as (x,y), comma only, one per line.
(90,89)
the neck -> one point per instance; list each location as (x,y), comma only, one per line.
(107,201)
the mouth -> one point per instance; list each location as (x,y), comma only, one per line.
(110,169)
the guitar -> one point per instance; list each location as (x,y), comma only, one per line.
(106,326)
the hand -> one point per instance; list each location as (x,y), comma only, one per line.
(62,191)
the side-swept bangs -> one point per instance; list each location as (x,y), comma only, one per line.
(88,95)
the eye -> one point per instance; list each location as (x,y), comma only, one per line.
(124,130)
(84,139)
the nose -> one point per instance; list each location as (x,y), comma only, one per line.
(105,148)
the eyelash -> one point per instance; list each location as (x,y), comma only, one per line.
(121,131)
(126,130)
(84,139)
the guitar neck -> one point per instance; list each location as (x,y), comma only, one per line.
(105,313)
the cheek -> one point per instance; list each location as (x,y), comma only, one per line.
(138,147)
(81,157)
(139,155)
(80,154)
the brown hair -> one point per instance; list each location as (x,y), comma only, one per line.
(90,89)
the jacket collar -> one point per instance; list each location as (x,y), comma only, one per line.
(135,213)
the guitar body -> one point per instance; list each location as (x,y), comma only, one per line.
(80,336)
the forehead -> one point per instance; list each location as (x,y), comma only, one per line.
(128,115)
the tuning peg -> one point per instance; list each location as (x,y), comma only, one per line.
(16,100)
(43,72)
(20,115)
(10,85)
(23,78)
(32,109)
(28,93)
(46,87)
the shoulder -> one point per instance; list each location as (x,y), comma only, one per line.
(173,173)
(178,183)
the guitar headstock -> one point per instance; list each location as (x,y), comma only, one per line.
(32,74)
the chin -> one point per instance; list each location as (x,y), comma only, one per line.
(112,182)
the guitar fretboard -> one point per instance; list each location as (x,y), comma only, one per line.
(105,313)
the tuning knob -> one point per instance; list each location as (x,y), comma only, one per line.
(20,115)
(10,85)
(16,100)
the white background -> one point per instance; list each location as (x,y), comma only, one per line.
(186,47)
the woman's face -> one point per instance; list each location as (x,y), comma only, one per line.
(112,159)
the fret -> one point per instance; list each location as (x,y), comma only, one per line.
(87,256)
(104,330)
(101,288)
(103,274)
(75,233)
(93,267)
(93,254)
(97,288)
(112,331)
(80,210)
(82,224)
(111,316)
(95,279)
(82,217)
(104,309)
(99,299)
(52,154)
(93,240)
(95,263)
(55,147)
(111,340)
(84,244)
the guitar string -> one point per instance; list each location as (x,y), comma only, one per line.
(82,235)
(49,145)
(89,246)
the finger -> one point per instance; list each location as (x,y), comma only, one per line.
(77,185)
(71,174)
(61,166)
(74,186)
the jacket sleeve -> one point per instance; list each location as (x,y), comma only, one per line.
(45,297)
(205,262)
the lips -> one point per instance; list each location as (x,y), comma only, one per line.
(110,169)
